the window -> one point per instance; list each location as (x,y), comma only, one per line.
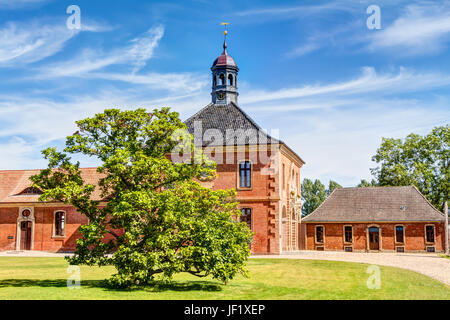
(348,249)
(429,233)
(230,80)
(283,177)
(319,234)
(222,79)
(399,234)
(60,223)
(245,174)
(348,234)
(400,249)
(431,249)
(247,217)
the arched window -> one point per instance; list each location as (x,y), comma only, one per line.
(245,174)
(222,79)
(214,80)
(230,79)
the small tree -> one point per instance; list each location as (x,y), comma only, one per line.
(157,220)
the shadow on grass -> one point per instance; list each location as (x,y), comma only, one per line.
(157,286)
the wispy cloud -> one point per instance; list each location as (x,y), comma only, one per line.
(137,53)
(27,43)
(368,82)
(420,29)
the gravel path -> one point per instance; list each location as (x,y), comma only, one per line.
(431,265)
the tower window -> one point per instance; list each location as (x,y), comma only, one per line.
(245,174)
(222,79)
(230,79)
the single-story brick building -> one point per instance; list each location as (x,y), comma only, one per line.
(395,219)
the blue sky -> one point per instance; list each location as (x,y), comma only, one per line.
(311,69)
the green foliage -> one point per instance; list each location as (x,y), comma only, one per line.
(314,193)
(155,218)
(331,186)
(423,161)
(365,183)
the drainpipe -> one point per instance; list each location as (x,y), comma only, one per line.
(447,250)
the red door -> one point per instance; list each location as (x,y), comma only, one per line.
(25,235)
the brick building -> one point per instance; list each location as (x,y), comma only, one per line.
(264,171)
(395,219)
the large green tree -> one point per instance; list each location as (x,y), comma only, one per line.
(314,193)
(423,161)
(157,220)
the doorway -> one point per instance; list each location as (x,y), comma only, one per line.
(374,238)
(25,235)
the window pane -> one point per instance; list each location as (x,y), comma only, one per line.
(348,234)
(430,233)
(319,234)
(399,233)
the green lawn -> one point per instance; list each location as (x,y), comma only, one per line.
(45,278)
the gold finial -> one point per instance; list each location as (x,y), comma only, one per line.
(225,24)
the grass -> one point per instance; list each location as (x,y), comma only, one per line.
(445,256)
(46,278)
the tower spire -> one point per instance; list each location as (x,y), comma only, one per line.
(225,32)
(224,76)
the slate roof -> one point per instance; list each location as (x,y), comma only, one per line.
(232,118)
(375,204)
(13,182)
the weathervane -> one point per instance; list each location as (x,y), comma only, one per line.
(225,31)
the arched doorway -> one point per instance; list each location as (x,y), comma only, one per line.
(25,229)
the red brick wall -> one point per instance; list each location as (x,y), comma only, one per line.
(43,228)
(414,236)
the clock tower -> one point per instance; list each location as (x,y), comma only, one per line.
(224,78)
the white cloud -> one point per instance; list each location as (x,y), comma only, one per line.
(27,43)
(144,46)
(420,29)
(368,82)
(136,54)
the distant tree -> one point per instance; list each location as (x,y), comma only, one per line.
(314,193)
(158,220)
(331,186)
(423,161)
(365,183)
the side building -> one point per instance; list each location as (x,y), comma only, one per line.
(388,219)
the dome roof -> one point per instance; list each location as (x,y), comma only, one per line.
(224,59)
